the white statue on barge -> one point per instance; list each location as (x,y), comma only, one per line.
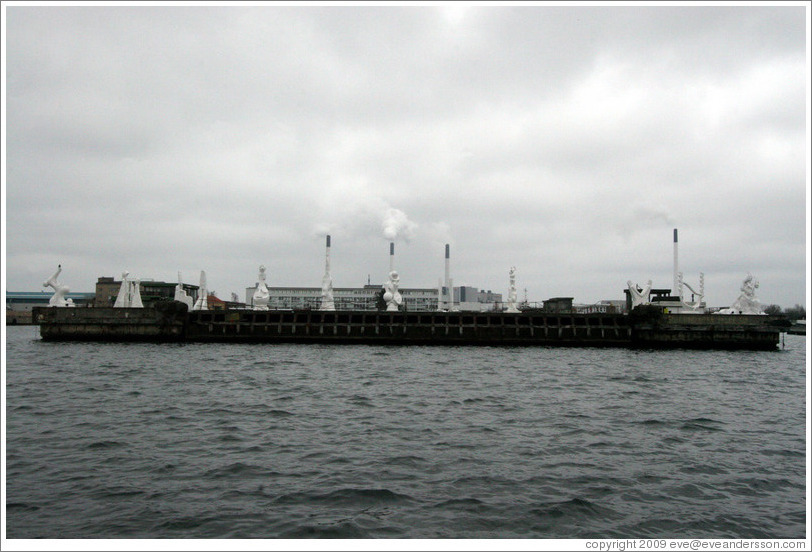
(202,302)
(261,294)
(747,303)
(135,294)
(391,294)
(639,295)
(58,299)
(696,304)
(181,295)
(327,299)
(129,294)
(511,306)
(123,297)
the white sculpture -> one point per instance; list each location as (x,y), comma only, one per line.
(123,298)
(696,303)
(327,300)
(129,294)
(445,296)
(261,294)
(747,302)
(58,298)
(512,291)
(639,295)
(391,294)
(135,294)
(202,302)
(181,295)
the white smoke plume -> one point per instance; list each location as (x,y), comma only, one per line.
(640,217)
(365,216)
(396,225)
(322,229)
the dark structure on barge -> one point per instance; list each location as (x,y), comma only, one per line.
(646,327)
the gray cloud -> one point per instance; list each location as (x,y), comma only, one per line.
(567,141)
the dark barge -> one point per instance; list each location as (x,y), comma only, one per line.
(645,327)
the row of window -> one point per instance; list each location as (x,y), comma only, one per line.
(350,303)
(412,318)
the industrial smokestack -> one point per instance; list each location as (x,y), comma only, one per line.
(391,256)
(447,262)
(449,300)
(449,283)
(676,291)
(327,257)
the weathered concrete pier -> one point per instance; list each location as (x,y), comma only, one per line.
(644,327)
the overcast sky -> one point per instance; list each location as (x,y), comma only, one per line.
(568,142)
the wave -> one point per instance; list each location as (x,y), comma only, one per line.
(116,492)
(468,504)
(704,421)
(758,486)
(361,400)
(701,424)
(183,523)
(344,530)
(105,445)
(652,422)
(704,469)
(346,496)
(721,526)
(784,452)
(575,508)
(407,461)
(21,506)
(239,469)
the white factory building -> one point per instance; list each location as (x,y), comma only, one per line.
(466,298)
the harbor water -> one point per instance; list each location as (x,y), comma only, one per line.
(290,441)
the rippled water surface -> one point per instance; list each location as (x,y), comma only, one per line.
(297,441)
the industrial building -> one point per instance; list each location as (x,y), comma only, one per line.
(20,303)
(366,298)
(363,298)
(469,298)
(107,289)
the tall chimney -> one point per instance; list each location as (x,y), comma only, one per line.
(675,292)
(449,283)
(327,258)
(391,256)
(449,298)
(447,261)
